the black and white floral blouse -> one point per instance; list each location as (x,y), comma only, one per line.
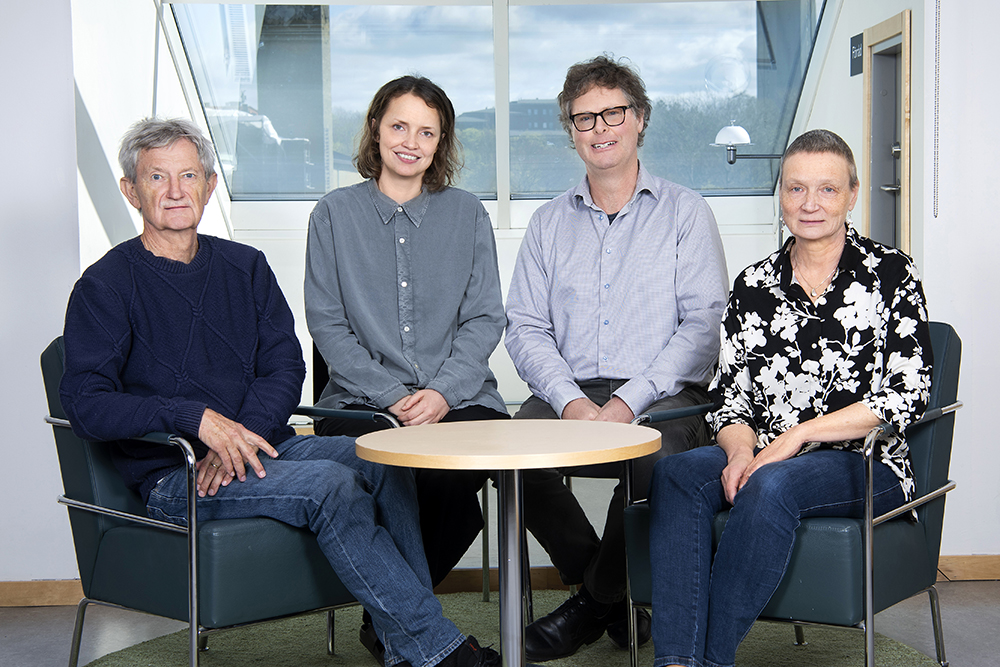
(785,360)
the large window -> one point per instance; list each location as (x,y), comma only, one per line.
(285,87)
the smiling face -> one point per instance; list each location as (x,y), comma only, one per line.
(408,137)
(170,189)
(816,195)
(603,147)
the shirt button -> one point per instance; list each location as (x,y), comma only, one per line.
(604,358)
(407,329)
(403,283)
(417,366)
(607,286)
(402,240)
(399,209)
(605,321)
(608,251)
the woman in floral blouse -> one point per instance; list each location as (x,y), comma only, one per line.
(822,341)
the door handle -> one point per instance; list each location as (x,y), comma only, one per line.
(892,189)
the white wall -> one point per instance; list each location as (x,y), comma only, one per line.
(38,265)
(960,260)
(111,55)
(955,250)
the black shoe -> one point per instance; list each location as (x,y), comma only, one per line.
(618,630)
(371,641)
(471,654)
(577,621)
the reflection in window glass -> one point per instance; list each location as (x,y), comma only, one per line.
(285,88)
(704,64)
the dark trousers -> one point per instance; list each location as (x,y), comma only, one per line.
(554,516)
(450,515)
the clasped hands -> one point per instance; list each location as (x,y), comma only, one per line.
(232,449)
(615,410)
(743,463)
(424,406)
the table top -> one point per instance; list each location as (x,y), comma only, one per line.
(508,444)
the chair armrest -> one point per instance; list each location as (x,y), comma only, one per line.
(883,431)
(365,415)
(673,413)
(156,438)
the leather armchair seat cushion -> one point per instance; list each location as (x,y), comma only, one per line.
(824,582)
(248,569)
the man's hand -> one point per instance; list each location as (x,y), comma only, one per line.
(233,444)
(615,410)
(211,475)
(581,408)
(425,406)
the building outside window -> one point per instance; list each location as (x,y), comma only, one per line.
(284,87)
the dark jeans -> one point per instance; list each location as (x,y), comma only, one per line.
(554,516)
(703,606)
(450,515)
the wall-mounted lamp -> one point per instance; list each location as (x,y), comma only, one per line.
(733,135)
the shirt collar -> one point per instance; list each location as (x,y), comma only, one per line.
(850,257)
(386,207)
(643,183)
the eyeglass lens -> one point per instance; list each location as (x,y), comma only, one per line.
(612,117)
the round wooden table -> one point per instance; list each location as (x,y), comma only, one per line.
(509,446)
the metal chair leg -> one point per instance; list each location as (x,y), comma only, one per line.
(633,633)
(529,603)
(568,481)
(938,629)
(485,502)
(330,646)
(74,649)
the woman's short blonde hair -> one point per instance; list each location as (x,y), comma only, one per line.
(822,141)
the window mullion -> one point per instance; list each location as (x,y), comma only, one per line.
(501,66)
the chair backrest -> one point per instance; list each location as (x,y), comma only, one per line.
(930,444)
(88,473)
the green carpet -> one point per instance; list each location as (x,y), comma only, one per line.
(301,642)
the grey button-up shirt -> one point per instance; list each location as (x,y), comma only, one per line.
(401,297)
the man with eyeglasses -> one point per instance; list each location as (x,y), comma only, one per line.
(614,310)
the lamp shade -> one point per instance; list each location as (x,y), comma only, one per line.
(732,135)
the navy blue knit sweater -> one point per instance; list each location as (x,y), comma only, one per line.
(151,342)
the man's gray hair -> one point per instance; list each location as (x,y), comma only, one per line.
(159,133)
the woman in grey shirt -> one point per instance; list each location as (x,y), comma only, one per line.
(403,299)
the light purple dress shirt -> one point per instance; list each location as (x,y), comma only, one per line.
(640,299)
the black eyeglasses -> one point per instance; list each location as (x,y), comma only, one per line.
(613,117)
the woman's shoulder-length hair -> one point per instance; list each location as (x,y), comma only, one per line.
(447,161)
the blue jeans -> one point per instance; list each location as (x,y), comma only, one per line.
(364,516)
(704,607)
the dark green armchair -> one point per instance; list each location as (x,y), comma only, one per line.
(832,577)
(128,560)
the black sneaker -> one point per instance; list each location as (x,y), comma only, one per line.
(471,654)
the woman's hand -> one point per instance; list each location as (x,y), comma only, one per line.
(425,406)
(732,475)
(850,423)
(738,441)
